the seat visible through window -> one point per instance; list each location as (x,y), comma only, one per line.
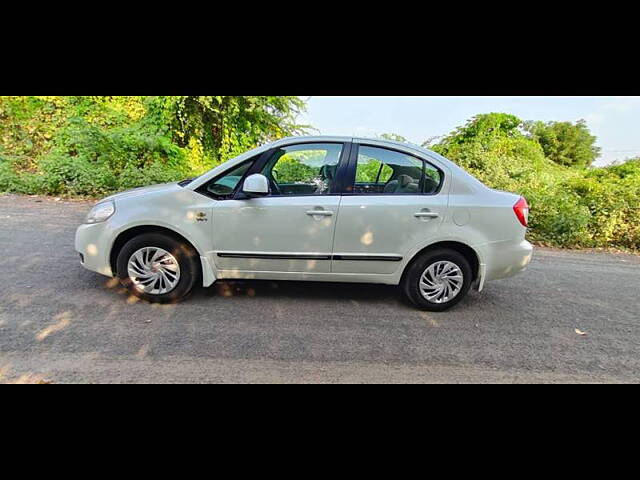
(389,172)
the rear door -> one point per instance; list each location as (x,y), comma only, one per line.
(392,202)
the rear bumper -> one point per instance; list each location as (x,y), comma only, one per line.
(505,259)
(93,246)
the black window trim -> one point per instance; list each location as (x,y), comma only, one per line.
(345,174)
(350,175)
(337,187)
(202,189)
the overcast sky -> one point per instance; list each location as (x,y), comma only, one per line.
(614,120)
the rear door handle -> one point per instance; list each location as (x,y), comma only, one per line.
(326,213)
(426,215)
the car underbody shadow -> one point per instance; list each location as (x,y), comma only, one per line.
(300,290)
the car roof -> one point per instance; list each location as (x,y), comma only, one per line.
(404,146)
(310,138)
(334,138)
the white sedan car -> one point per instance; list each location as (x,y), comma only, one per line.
(331,209)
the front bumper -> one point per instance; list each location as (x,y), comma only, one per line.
(93,244)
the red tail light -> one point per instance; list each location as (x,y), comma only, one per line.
(521,209)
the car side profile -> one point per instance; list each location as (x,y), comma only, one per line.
(335,209)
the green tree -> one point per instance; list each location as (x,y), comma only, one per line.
(483,128)
(564,142)
(494,148)
(429,142)
(290,170)
(228,125)
(88,145)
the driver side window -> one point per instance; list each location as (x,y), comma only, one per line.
(306,169)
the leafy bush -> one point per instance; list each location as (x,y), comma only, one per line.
(11,181)
(612,196)
(94,146)
(98,145)
(558,218)
(570,207)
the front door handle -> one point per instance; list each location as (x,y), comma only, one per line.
(426,215)
(326,213)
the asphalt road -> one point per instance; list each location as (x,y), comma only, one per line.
(60,323)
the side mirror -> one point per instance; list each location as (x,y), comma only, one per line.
(256,185)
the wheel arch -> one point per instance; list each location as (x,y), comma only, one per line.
(465,250)
(126,235)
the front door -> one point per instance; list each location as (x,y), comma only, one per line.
(394,204)
(291,229)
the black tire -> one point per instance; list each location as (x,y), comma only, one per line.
(184,254)
(411,281)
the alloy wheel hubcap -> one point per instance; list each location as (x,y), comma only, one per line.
(153,270)
(441,282)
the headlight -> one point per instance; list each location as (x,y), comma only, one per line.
(101,212)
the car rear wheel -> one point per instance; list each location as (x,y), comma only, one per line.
(157,268)
(437,280)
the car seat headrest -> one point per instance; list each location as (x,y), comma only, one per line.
(404,180)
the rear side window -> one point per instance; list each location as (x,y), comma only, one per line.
(388,172)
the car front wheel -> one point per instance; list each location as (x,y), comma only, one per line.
(437,280)
(157,268)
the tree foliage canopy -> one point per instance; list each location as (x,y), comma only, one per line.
(227,125)
(96,145)
(574,207)
(565,143)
